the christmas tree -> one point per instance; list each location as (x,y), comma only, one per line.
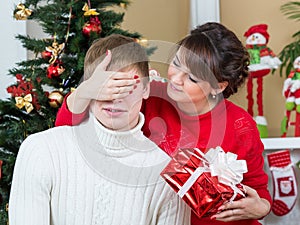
(56,68)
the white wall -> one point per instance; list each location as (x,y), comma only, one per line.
(11,50)
(202,11)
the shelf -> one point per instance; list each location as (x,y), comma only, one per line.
(281,143)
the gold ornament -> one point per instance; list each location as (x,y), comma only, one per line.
(123,5)
(22,13)
(89,12)
(55,49)
(55,99)
(24,101)
(143,42)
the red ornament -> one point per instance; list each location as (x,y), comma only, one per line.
(46,55)
(23,88)
(55,69)
(94,25)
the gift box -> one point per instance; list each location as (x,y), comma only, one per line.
(205,181)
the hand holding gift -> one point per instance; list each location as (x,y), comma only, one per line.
(206,181)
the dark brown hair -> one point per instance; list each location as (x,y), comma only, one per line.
(214,54)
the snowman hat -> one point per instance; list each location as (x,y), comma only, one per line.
(260,28)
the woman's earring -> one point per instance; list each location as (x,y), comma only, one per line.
(213,96)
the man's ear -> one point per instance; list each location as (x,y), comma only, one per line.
(146,90)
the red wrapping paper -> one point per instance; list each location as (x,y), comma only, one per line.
(207,194)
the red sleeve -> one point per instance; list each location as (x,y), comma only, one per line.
(251,149)
(66,117)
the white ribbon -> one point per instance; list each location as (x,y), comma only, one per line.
(225,166)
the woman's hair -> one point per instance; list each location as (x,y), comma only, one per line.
(126,54)
(214,54)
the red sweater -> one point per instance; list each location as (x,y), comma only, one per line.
(227,125)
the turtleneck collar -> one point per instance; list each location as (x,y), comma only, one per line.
(111,142)
(118,139)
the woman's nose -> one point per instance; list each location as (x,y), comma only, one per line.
(177,77)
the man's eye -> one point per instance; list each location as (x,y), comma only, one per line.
(192,79)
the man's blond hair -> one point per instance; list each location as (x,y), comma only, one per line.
(126,54)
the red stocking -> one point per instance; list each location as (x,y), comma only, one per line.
(284,182)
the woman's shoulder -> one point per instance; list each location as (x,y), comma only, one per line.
(158,89)
(238,116)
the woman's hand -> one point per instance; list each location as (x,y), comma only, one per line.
(103,86)
(251,207)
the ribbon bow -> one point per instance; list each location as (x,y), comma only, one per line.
(225,166)
(24,101)
(88,11)
(22,12)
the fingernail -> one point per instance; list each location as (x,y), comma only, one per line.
(134,86)
(106,52)
(130,92)
(135,77)
(137,81)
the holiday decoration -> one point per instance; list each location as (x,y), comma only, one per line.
(88,11)
(154,75)
(291,91)
(55,99)
(284,182)
(46,55)
(24,94)
(262,60)
(55,69)
(21,12)
(25,101)
(94,25)
(206,181)
(56,49)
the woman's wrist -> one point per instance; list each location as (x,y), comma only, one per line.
(266,207)
(76,104)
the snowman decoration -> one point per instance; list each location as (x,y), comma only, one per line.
(262,60)
(291,91)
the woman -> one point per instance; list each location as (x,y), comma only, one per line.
(192,110)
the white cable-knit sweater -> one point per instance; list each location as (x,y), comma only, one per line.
(88,175)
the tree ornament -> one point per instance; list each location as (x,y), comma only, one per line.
(123,5)
(88,11)
(262,60)
(55,69)
(55,99)
(46,55)
(143,42)
(22,13)
(55,50)
(24,94)
(94,25)
(25,101)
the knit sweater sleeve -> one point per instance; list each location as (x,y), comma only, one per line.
(251,149)
(174,211)
(66,117)
(29,202)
